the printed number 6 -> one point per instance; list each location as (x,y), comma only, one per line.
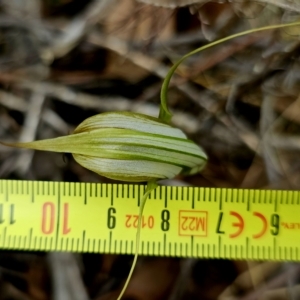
(275,221)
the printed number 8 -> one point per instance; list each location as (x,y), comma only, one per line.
(165,217)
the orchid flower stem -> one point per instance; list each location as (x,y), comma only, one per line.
(164,114)
(150,187)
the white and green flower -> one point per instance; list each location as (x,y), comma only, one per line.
(128,146)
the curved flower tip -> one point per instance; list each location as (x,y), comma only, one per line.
(127,146)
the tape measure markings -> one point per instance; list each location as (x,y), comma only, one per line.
(58,211)
(103,217)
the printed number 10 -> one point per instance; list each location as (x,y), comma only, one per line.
(49,217)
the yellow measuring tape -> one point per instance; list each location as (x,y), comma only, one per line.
(177,221)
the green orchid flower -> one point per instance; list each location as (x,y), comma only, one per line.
(128,147)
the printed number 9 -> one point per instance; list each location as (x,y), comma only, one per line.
(111,219)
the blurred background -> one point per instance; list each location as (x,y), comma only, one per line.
(62,61)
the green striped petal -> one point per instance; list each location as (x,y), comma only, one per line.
(128,170)
(129,147)
(128,120)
